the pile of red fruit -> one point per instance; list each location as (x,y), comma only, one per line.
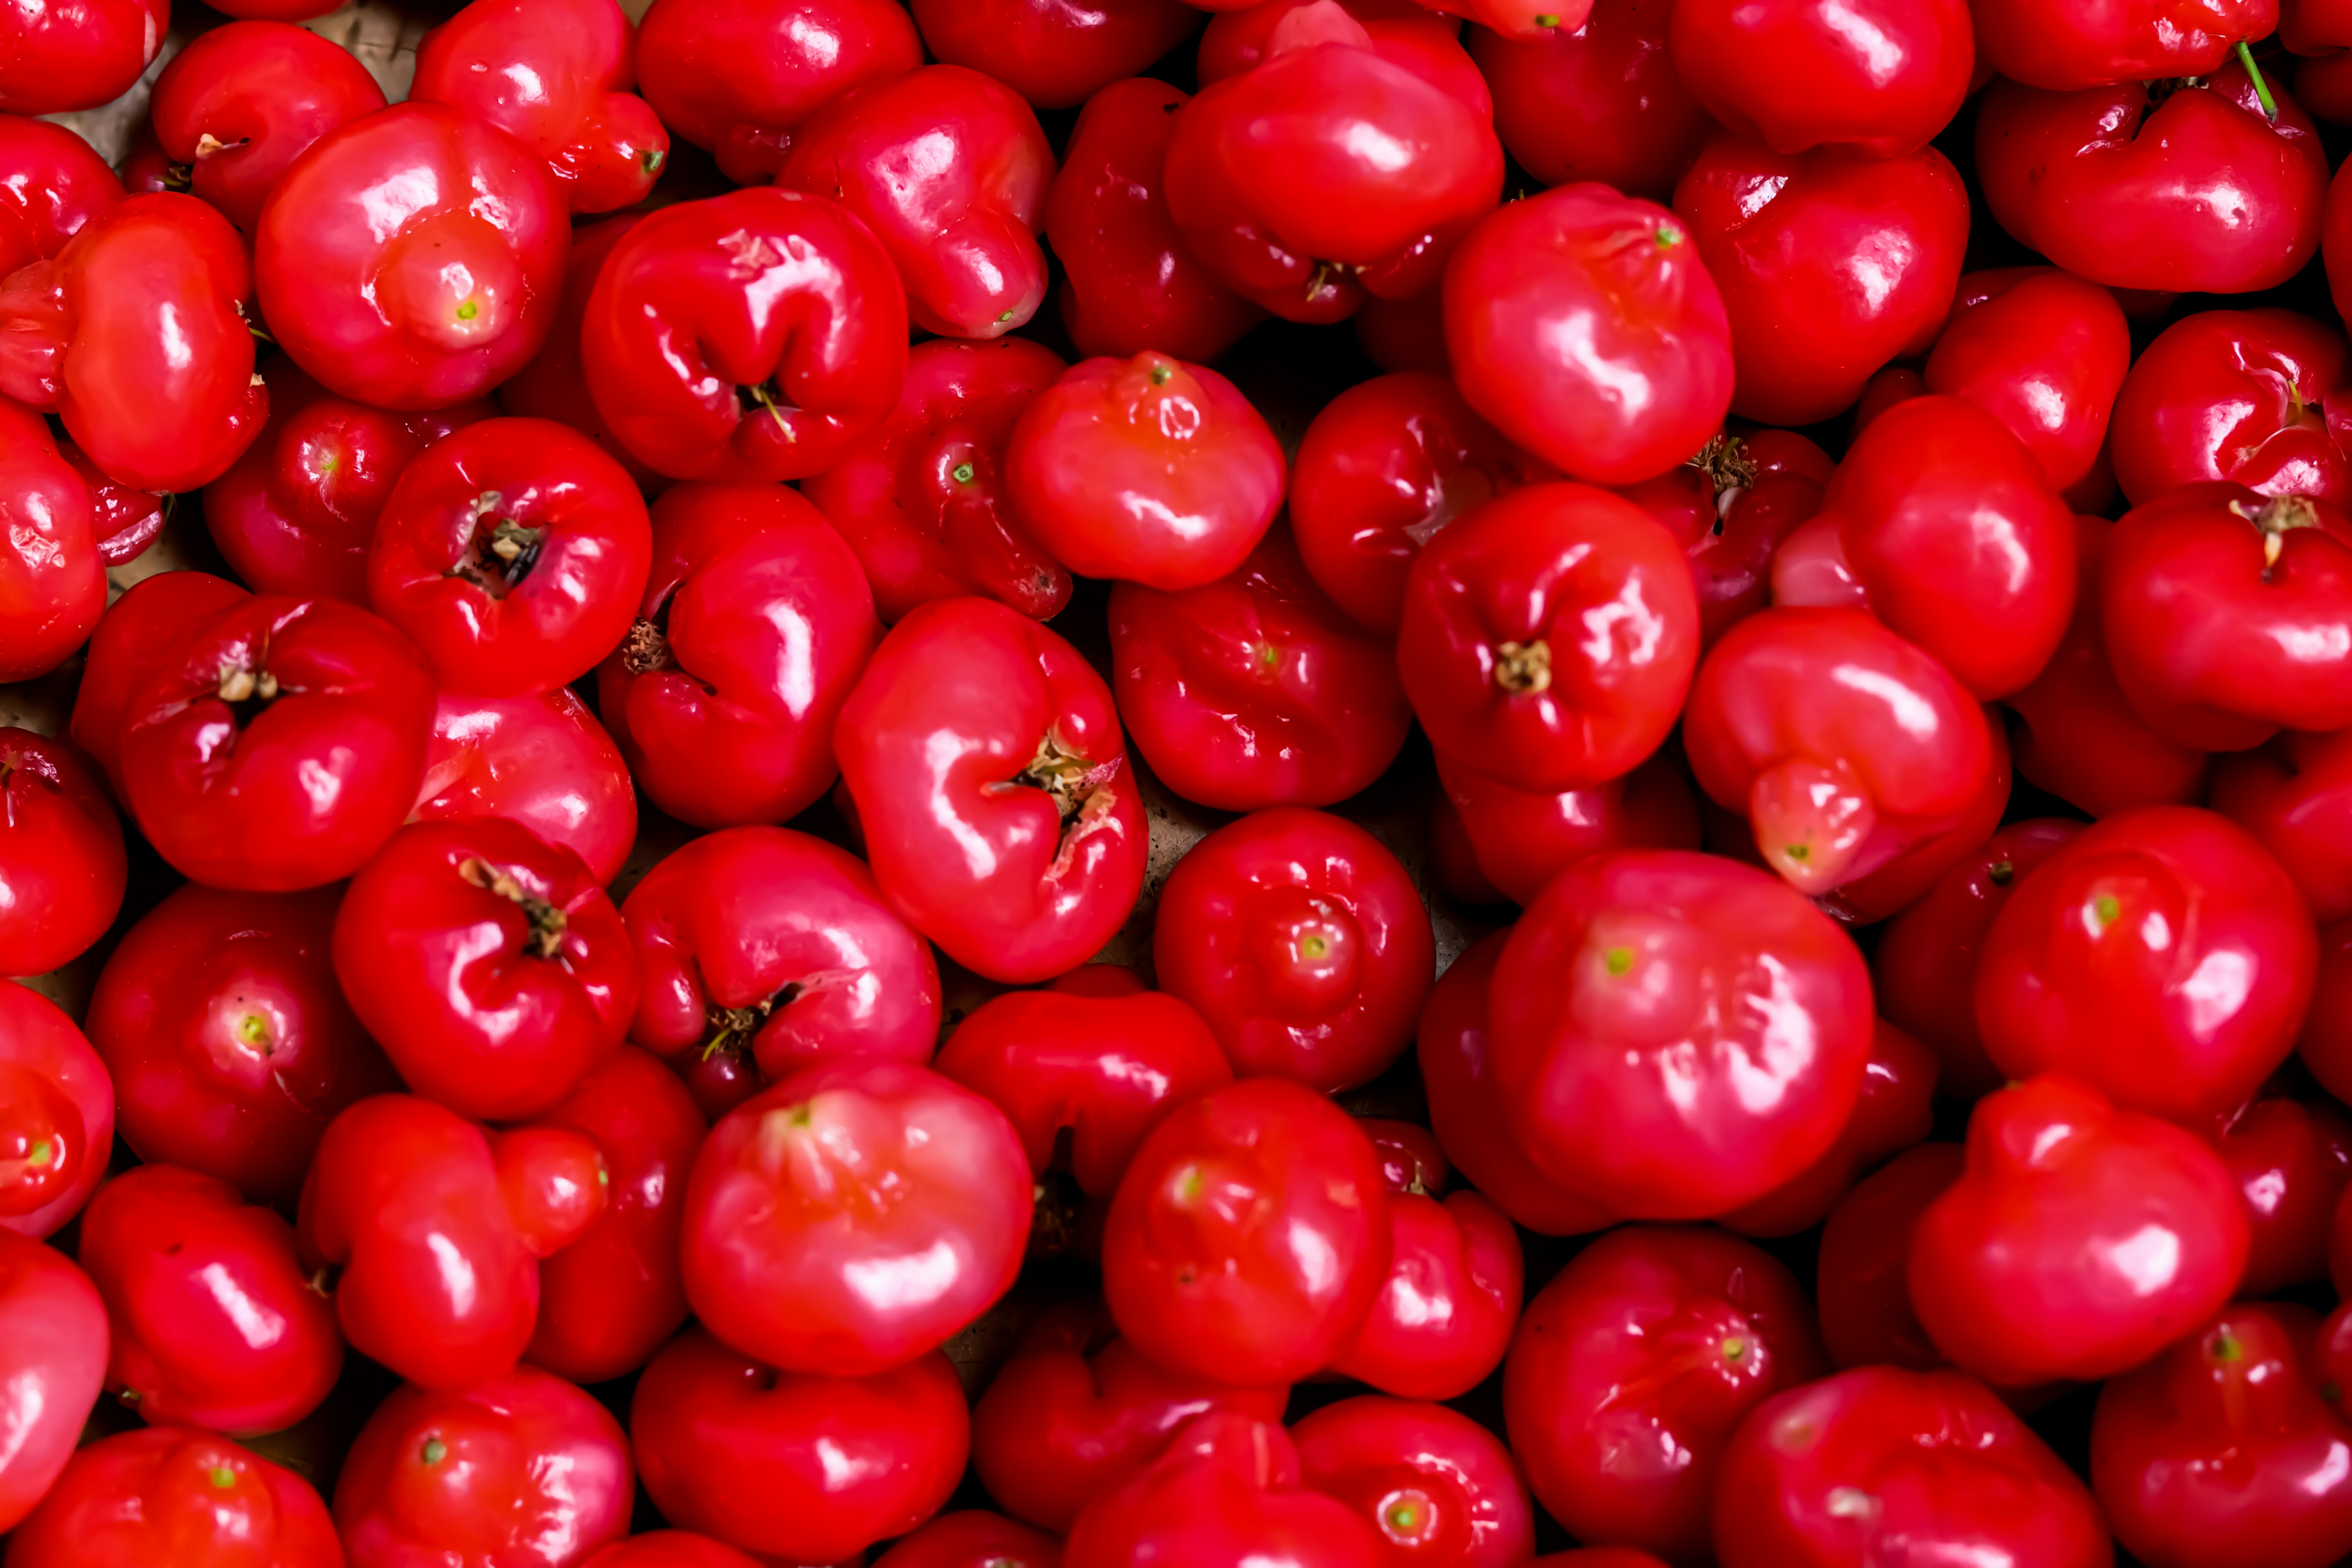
(712,862)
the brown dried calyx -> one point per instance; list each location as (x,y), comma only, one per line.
(547,921)
(736,1025)
(645,650)
(2279,516)
(501,555)
(1062,773)
(1725,462)
(1523,666)
(246,690)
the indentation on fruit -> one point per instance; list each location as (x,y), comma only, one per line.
(1523,668)
(1810,820)
(547,922)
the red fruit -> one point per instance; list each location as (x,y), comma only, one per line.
(2043,353)
(1731,505)
(53,1354)
(2081,178)
(1227,1493)
(213,1323)
(237,106)
(1066,1420)
(921,498)
(2228,1448)
(59,183)
(737,79)
(984,759)
(1055,53)
(973,1538)
(1884,77)
(135,337)
(1401,32)
(552,385)
(61,862)
(795,319)
(555,77)
(1548,636)
(1895,1112)
(542,761)
(2291,1161)
(670,1549)
(1444,1315)
(1881,1461)
(2080,1239)
(853,1216)
(1862,1279)
(2051,45)
(81,57)
(276,744)
(1437,1486)
(2162,957)
(2236,396)
(1249,1239)
(1831,263)
(1522,839)
(52,575)
(57,1115)
(1631,1369)
(436,1281)
(1602,101)
(779,942)
(166,1494)
(1905,880)
(807,1469)
(1128,284)
(424,298)
(2290,794)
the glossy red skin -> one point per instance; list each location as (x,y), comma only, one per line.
(53,1326)
(1792,699)
(1513,18)
(1905,880)
(475,1008)
(2080,1239)
(1582,325)
(555,77)
(1732,513)
(2291,794)
(1659,1054)
(2079,738)
(1522,839)
(67,57)
(1538,566)
(543,762)
(61,861)
(1257,690)
(1954,1473)
(2218,634)
(213,1323)
(973,1538)
(350,282)
(762,624)
(1884,79)
(2063,47)
(1303,943)
(735,920)
(1946,524)
(1600,102)
(669,1549)
(809,1203)
(1104,1069)
(550,385)
(2323,85)
(1229,1492)
(702,301)
(1205,1262)
(156,1495)
(949,169)
(136,630)
(1630,1371)
(1148,470)
(52,577)
(2227,1447)
(54,182)
(922,532)
(124,520)
(1129,283)
(2043,353)
(1862,1278)
(1895,1111)
(1055,53)
(1385,466)
(1066,1420)
(436,1282)
(2291,1161)
(805,1469)
(1444,1315)
(133,336)
(1402,30)
(486,627)
(1436,1487)
(737,79)
(2233,394)
(1466,1108)
(554,1181)
(2062,983)
(2206,195)
(240,104)
(302,792)
(529,1471)
(297,513)
(57,1115)
(1924,964)
(950,713)
(1786,238)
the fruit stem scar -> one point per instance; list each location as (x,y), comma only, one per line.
(435,1450)
(2105,909)
(1618,960)
(547,921)
(1523,666)
(645,650)
(222,1477)
(962,473)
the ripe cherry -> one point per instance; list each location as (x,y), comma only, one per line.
(57,1115)
(1227,1493)
(2045,353)
(1863,1276)
(233,109)
(1055,53)
(1602,101)
(1436,1487)
(61,861)
(1884,78)
(1520,839)
(170,1494)
(53,1356)
(542,761)
(2236,396)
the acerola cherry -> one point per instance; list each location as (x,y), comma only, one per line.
(1249,1239)
(1895,1111)
(1444,1315)
(1227,1493)
(543,762)
(1884,78)
(671,1549)
(1829,264)
(972,1539)
(2081,1238)
(413,258)
(53,1355)
(1436,1486)
(1633,1366)
(52,576)
(1055,53)
(79,56)
(808,1469)
(2292,795)
(2043,353)
(1602,101)
(1520,839)
(2161,956)
(135,631)
(57,1115)
(167,1494)
(58,184)
(552,385)
(277,745)
(1862,1280)
(1731,505)
(1022,850)
(2292,1162)
(61,862)
(2048,43)
(797,321)
(237,106)
(2236,396)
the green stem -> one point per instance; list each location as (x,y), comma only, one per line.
(2254,75)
